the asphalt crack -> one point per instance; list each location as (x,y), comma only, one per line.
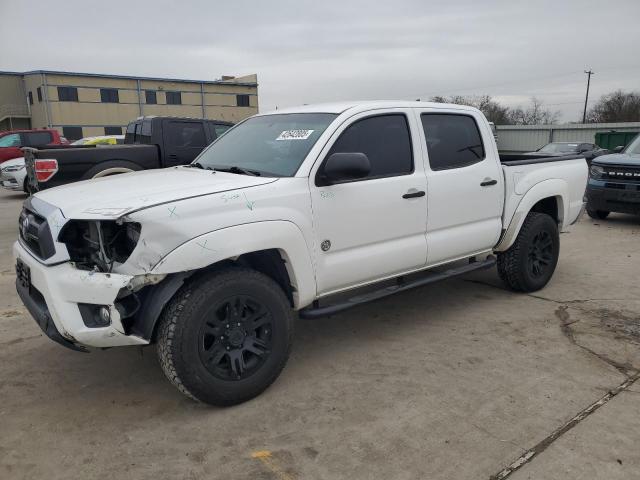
(541,446)
(631,372)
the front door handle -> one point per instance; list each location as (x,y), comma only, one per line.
(487,182)
(413,194)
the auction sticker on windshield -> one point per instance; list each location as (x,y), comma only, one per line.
(294,135)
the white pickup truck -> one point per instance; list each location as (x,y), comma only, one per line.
(310,210)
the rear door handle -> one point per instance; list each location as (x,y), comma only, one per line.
(487,182)
(413,194)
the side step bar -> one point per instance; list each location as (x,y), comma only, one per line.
(315,311)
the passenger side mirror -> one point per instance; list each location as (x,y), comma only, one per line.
(618,149)
(341,167)
(583,149)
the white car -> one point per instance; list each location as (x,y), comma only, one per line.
(290,211)
(13,175)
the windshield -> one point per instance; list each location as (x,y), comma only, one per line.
(559,148)
(271,144)
(11,140)
(634,147)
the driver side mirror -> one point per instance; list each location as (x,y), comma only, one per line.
(583,149)
(618,149)
(341,167)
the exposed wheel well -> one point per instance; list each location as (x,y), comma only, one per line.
(269,262)
(549,206)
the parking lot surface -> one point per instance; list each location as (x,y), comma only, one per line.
(460,379)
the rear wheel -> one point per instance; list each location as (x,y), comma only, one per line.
(598,214)
(113,167)
(226,336)
(530,262)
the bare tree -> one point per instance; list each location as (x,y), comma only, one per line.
(534,114)
(616,106)
(494,112)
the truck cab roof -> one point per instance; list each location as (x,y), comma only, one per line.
(361,106)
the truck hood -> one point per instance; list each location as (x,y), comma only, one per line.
(114,196)
(618,159)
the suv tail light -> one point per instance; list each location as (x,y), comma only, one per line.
(45,169)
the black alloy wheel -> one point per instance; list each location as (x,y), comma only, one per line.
(235,340)
(226,335)
(540,253)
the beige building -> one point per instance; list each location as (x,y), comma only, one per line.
(86,104)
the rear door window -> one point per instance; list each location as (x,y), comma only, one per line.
(183,141)
(453,140)
(186,134)
(37,139)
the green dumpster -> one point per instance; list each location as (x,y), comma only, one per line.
(611,140)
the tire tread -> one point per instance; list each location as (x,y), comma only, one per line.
(179,310)
(509,268)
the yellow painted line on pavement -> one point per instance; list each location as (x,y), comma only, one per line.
(270,463)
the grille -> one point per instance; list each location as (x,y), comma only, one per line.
(621,174)
(36,235)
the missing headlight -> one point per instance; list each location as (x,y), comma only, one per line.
(99,244)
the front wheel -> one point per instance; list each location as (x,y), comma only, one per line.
(226,336)
(530,262)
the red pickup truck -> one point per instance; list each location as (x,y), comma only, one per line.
(13,140)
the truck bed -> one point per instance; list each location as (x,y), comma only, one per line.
(566,177)
(74,162)
(513,159)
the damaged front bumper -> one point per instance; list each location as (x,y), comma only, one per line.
(59,297)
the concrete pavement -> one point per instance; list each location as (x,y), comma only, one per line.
(453,380)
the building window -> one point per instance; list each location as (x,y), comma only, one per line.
(67,94)
(72,133)
(174,98)
(242,100)
(109,95)
(113,130)
(30,98)
(150,97)
(39,92)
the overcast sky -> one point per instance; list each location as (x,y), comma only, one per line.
(318,51)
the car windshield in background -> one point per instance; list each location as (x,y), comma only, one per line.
(11,140)
(559,148)
(270,145)
(634,147)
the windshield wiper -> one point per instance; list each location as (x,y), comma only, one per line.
(198,165)
(240,170)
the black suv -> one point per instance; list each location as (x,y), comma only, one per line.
(614,182)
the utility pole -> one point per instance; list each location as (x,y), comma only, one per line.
(586,99)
